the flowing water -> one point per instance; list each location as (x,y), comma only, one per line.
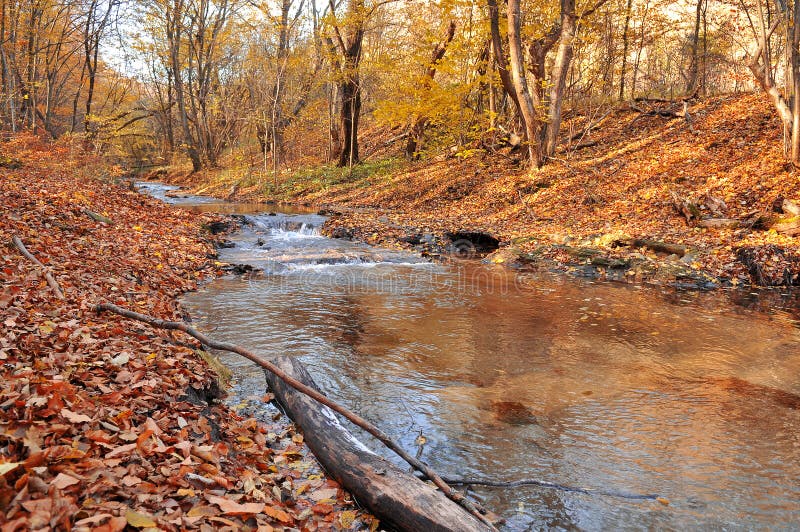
(509,376)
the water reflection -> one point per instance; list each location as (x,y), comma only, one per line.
(601,386)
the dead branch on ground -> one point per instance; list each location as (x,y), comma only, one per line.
(354,418)
(45,270)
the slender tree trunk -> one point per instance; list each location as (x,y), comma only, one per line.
(625,50)
(350,86)
(500,55)
(418,125)
(692,81)
(348,119)
(174,40)
(796,84)
(558,82)
(517,63)
(277,89)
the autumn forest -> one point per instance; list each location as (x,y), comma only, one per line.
(399,265)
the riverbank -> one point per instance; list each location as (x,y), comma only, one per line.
(633,196)
(107,423)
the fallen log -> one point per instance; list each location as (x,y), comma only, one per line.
(45,270)
(653,245)
(659,247)
(388,491)
(314,394)
(587,144)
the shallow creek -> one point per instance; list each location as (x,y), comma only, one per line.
(694,397)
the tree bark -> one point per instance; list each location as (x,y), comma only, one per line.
(625,42)
(517,63)
(307,390)
(349,88)
(692,86)
(386,490)
(795,84)
(173,31)
(500,55)
(418,125)
(569,28)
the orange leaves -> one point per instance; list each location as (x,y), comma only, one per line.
(230,507)
(278,514)
(96,427)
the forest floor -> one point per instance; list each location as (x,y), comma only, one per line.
(107,424)
(601,207)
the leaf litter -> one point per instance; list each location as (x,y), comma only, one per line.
(107,424)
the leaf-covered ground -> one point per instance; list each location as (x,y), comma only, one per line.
(730,163)
(107,424)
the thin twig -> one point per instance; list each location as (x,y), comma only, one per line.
(45,270)
(357,420)
(552,485)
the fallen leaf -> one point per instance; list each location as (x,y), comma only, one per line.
(121,359)
(277,513)
(230,507)
(323,494)
(122,449)
(72,417)
(199,511)
(8,466)
(63,481)
(347,518)
(139,520)
(130,480)
(93,520)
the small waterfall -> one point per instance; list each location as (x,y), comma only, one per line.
(287,226)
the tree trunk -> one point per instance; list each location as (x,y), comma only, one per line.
(500,55)
(692,81)
(350,86)
(418,125)
(625,42)
(174,40)
(392,494)
(796,85)
(529,118)
(558,81)
(348,120)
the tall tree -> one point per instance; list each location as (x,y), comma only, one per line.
(347,42)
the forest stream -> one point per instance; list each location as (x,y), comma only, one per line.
(691,396)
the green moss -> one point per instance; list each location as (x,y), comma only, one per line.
(319,178)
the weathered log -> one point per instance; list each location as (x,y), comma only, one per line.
(311,392)
(389,492)
(658,247)
(45,270)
